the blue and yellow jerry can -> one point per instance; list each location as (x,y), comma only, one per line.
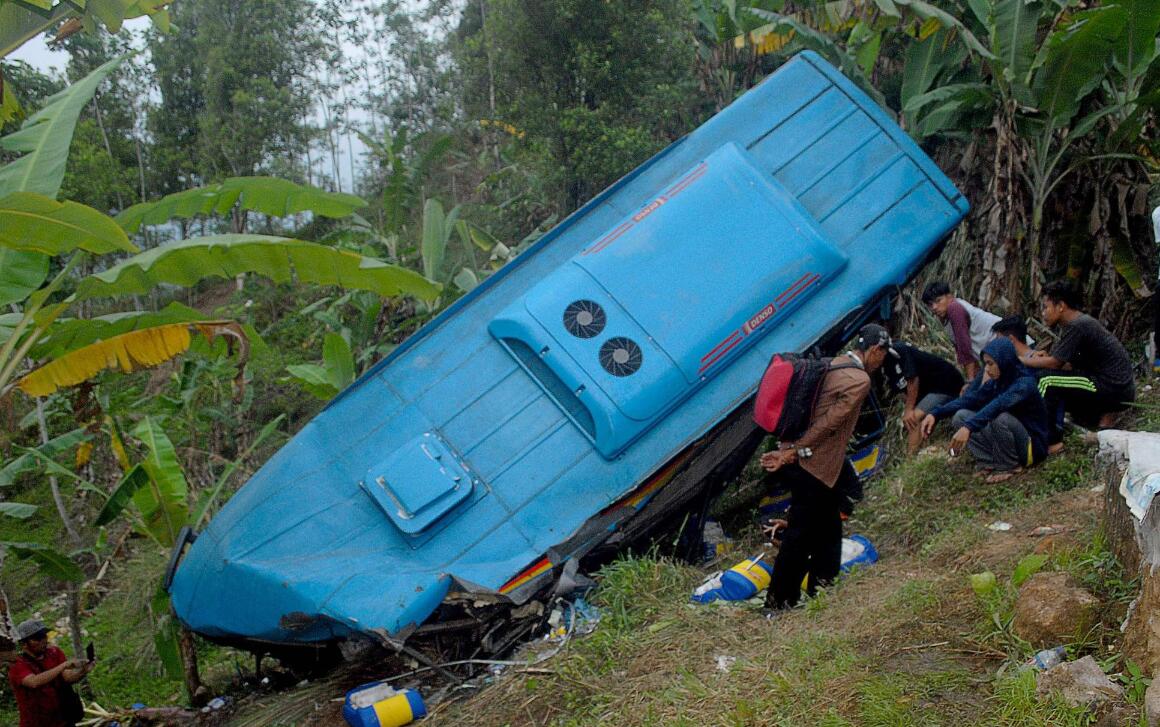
(380,705)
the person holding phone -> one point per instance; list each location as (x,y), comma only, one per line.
(42,678)
(1001,418)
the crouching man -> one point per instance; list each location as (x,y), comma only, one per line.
(811,468)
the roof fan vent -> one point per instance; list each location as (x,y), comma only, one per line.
(584,318)
(621,356)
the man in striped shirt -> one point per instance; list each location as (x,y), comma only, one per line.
(1087,373)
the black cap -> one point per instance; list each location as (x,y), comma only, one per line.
(871,335)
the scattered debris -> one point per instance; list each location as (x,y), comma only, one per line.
(749,577)
(715,542)
(215,704)
(724,663)
(1047,658)
(857,550)
(741,582)
(1047,530)
(1081,683)
(1050,609)
(999,526)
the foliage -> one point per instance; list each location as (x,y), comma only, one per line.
(34,223)
(267,195)
(235,89)
(597,88)
(336,372)
(21,20)
(281,259)
(43,140)
(127,352)
(1049,79)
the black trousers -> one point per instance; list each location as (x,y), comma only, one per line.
(1073,392)
(812,541)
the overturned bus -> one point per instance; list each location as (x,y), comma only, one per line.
(597,383)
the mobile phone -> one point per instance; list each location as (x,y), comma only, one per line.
(90,652)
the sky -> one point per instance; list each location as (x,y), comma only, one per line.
(37,54)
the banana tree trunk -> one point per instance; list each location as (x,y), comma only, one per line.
(1005,213)
(189,671)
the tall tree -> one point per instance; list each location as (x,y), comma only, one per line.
(105,165)
(596,87)
(235,81)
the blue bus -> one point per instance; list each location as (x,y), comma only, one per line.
(596,383)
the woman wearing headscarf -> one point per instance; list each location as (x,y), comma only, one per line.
(1000,418)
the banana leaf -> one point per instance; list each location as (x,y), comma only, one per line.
(1137,46)
(188,262)
(31,222)
(122,495)
(51,562)
(267,195)
(69,334)
(44,141)
(1014,27)
(162,503)
(1073,61)
(128,352)
(29,461)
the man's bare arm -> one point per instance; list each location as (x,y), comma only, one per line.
(36,681)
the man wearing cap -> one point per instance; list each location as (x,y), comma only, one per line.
(814,468)
(40,675)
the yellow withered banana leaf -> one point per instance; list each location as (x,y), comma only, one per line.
(128,352)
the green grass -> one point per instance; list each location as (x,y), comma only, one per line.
(920,503)
(1094,566)
(1015,702)
(919,597)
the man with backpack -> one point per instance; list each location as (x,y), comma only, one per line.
(812,464)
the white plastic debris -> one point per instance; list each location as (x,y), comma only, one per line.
(999,526)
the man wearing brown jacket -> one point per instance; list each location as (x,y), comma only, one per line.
(812,466)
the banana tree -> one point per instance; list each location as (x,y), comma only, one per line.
(848,33)
(438,229)
(1038,86)
(335,373)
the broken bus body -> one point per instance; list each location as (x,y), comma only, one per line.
(596,383)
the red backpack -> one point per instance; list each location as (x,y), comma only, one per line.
(788,392)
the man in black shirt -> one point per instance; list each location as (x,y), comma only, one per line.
(1014,329)
(927,380)
(1088,372)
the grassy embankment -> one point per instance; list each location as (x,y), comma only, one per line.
(903,642)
